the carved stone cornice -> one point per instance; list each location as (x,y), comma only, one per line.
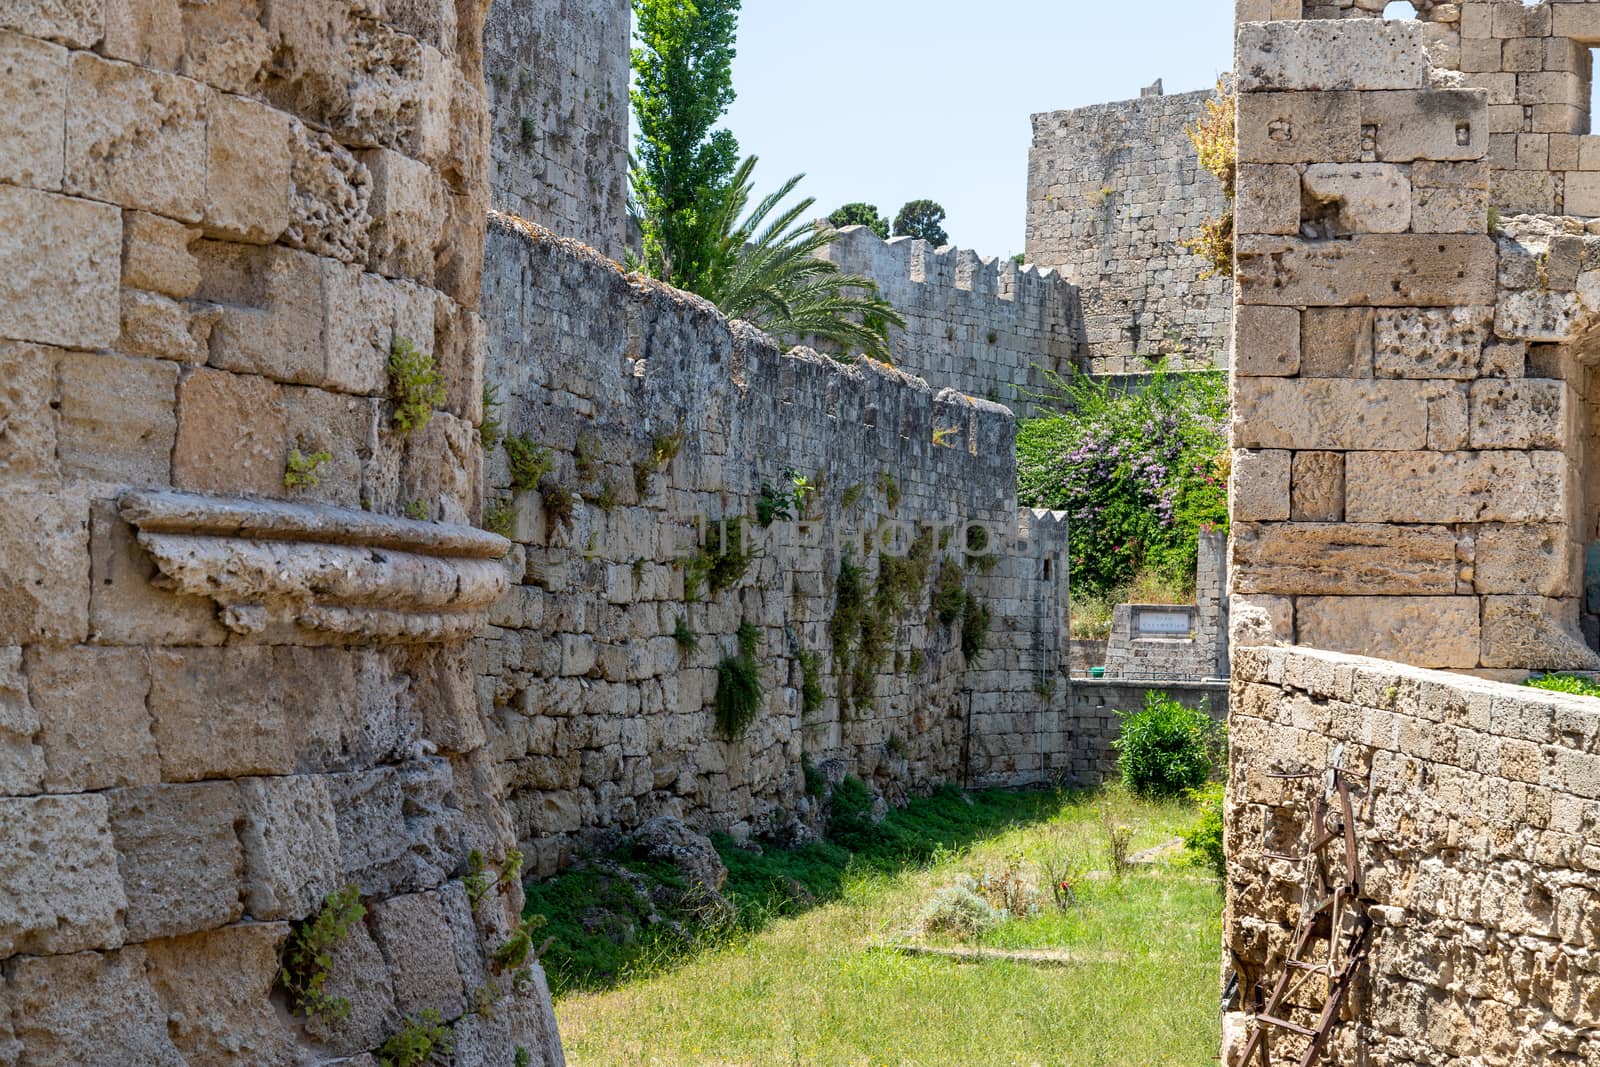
(325,571)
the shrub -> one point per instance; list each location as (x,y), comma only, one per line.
(492,429)
(850,816)
(958,910)
(975,629)
(415,386)
(422,1037)
(1566,683)
(1204,839)
(1164,748)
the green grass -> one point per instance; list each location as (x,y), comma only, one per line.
(801,978)
(1566,683)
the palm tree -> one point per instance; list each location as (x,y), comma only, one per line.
(768,273)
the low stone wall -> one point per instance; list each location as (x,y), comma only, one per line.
(1477,806)
(603,718)
(1095,722)
(1202,652)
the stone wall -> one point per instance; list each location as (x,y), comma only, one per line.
(1153,652)
(215,710)
(1112,190)
(662,416)
(984,327)
(1413,419)
(558,93)
(1476,811)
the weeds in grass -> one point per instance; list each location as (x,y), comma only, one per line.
(959,911)
(1118,838)
(1009,888)
(1204,840)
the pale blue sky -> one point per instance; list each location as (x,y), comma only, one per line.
(891,100)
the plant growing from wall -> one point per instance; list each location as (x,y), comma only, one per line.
(923,219)
(417,511)
(301,472)
(415,386)
(586,455)
(975,620)
(491,430)
(308,955)
(517,951)
(685,637)
(812,696)
(560,505)
(1216,144)
(529,462)
(860,214)
(422,1038)
(500,518)
(890,488)
(739,690)
(664,448)
(721,562)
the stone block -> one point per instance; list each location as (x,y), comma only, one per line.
(147,33)
(91,707)
(407,212)
(1318,487)
(33,109)
(1360,197)
(178,850)
(329,197)
(339,425)
(21,758)
(63,892)
(398,827)
(216,990)
(1431,343)
(415,937)
(1423,631)
(1299,127)
(1537,315)
(1259,486)
(1329,413)
(358,329)
(1582,192)
(1268,199)
(89,1008)
(136,138)
(291,845)
(360,975)
(1525,559)
(59,267)
(1380,270)
(232,436)
(160,328)
(1336,343)
(125,608)
(1446,487)
(156,255)
(1431,124)
(75,23)
(44,567)
(1528,413)
(27,413)
(1578,19)
(1343,559)
(118,422)
(225,45)
(247,170)
(1447,419)
(1330,55)
(1534,633)
(270,321)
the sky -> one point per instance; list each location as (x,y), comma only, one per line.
(895,100)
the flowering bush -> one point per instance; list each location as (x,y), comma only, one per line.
(1140,472)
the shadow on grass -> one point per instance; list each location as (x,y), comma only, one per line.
(625,919)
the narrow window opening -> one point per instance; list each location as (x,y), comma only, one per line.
(1586,56)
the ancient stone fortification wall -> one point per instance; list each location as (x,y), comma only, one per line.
(214,711)
(1411,416)
(984,327)
(558,91)
(1476,810)
(1112,189)
(603,718)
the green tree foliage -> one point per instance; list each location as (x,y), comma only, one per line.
(860,214)
(683,84)
(1165,748)
(1141,473)
(924,219)
(1206,836)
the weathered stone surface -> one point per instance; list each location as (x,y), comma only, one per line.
(1526,559)
(1323,55)
(407,209)
(82,1009)
(271,317)
(21,758)
(291,845)
(1266,342)
(1299,127)
(1329,413)
(360,975)
(1380,270)
(33,106)
(117,419)
(125,608)
(1268,199)
(231,434)
(358,330)
(1363,197)
(178,850)
(156,255)
(44,572)
(1328,559)
(1537,315)
(91,707)
(1528,413)
(1455,487)
(1318,487)
(27,417)
(148,33)
(328,198)
(399,828)
(533,1022)
(216,990)
(59,266)
(225,45)
(1336,343)
(1431,343)
(1427,631)
(1534,633)
(247,171)
(1433,124)
(1448,210)
(155,326)
(415,938)
(1259,485)
(136,138)
(63,892)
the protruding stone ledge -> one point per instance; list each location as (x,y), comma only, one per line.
(318,570)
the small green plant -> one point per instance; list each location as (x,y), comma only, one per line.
(816,781)
(851,496)
(739,691)
(1565,683)
(687,641)
(522,1058)
(917,661)
(308,955)
(491,430)
(417,511)
(500,518)
(1494,219)
(975,620)
(949,593)
(422,1037)
(529,461)
(1204,841)
(664,448)
(722,560)
(890,488)
(586,455)
(527,131)
(477,882)
(1164,749)
(517,950)
(414,385)
(607,497)
(560,505)
(959,911)
(482,1001)
(302,469)
(1119,841)
(943,435)
(811,694)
